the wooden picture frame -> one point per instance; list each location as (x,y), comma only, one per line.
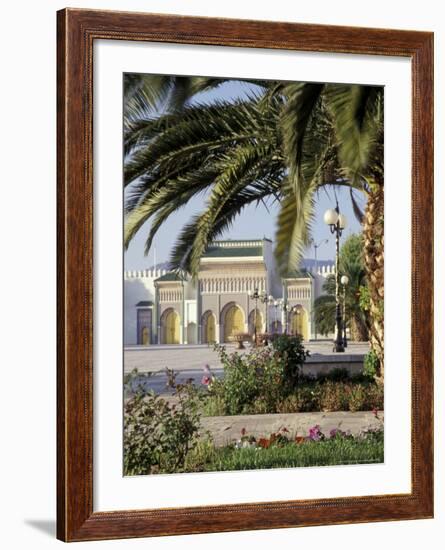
(77,31)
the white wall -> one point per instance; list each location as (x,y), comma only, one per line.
(136,289)
(28,254)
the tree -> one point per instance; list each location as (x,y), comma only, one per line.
(357,118)
(351,264)
(284,141)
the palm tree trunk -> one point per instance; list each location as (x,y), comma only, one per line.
(374,258)
(359,330)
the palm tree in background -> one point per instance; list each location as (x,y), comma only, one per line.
(351,264)
(282,143)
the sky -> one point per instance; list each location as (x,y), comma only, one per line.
(254,222)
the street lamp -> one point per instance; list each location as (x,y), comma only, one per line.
(296,311)
(264,299)
(316,247)
(275,305)
(286,307)
(344,281)
(268,302)
(337,222)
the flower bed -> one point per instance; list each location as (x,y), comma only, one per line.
(279,450)
(165,436)
(272,380)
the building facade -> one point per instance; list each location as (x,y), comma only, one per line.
(161,307)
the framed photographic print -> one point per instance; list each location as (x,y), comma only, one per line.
(245,333)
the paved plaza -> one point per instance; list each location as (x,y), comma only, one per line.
(194,357)
(188,360)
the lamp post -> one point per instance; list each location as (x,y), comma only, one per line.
(255,296)
(284,306)
(287,308)
(337,222)
(296,311)
(275,305)
(344,281)
(264,299)
(316,247)
(268,302)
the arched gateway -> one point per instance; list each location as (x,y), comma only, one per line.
(170,327)
(233,321)
(208,328)
(299,322)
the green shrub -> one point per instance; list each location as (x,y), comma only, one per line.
(371,364)
(158,434)
(290,404)
(374,397)
(293,354)
(336,375)
(309,397)
(357,398)
(333,397)
(256,377)
(255,383)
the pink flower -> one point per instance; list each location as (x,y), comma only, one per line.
(315,433)
(206,380)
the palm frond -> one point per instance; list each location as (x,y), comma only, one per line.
(358,116)
(241,167)
(181,255)
(298,111)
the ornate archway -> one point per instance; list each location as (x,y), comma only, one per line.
(298,322)
(233,321)
(208,327)
(170,327)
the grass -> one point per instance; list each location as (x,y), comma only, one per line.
(336,451)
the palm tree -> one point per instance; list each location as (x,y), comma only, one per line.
(284,141)
(357,119)
(351,264)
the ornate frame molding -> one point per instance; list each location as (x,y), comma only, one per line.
(77,30)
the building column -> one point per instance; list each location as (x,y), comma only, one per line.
(198,313)
(218,327)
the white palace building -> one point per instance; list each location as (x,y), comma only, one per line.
(162,308)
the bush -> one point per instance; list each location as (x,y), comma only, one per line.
(158,434)
(334,397)
(256,383)
(293,355)
(255,377)
(371,364)
(357,398)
